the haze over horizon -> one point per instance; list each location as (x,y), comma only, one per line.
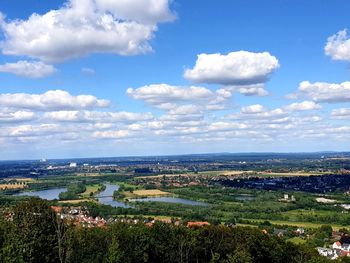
(89,78)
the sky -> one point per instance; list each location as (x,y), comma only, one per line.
(95,78)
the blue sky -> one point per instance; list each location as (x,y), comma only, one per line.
(271,76)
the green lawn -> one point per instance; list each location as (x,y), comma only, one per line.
(297,240)
(299,224)
(90,188)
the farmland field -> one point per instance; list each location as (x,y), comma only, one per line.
(12,186)
(153,192)
(298,224)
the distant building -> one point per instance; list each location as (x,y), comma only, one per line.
(72,165)
(327,252)
(300,231)
(286,198)
(279,232)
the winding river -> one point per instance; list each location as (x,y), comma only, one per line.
(106,197)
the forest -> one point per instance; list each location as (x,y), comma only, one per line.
(36,234)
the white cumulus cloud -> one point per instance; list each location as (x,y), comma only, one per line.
(36,69)
(143,11)
(342,113)
(235,68)
(253,90)
(338,46)
(168,97)
(82,27)
(112,134)
(51,100)
(96,116)
(326,92)
(17,116)
(302,106)
(256,108)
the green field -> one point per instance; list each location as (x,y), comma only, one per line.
(297,240)
(298,224)
(90,189)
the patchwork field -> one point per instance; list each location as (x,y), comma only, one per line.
(12,186)
(153,192)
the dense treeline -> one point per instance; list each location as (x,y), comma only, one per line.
(36,234)
(262,205)
(72,191)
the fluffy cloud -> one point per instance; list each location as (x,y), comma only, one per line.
(143,11)
(169,97)
(326,92)
(338,46)
(34,130)
(235,68)
(83,120)
(226,126)
(342,113)
(96,116)
(28,69)
(82,27)
(163,93)
(256,108)
(302,106)
(51,100)
(253,90)
(185,110)
(259,113)
(17,116)
(112,134)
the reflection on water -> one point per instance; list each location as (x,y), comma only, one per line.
(106,197)
(49,194)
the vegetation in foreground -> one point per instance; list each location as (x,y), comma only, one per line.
(36,234)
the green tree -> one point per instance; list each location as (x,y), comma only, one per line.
(33,236)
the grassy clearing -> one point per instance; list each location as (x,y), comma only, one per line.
(298,224)
(297,240)
(144,193)
(90,189)
(302,212)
